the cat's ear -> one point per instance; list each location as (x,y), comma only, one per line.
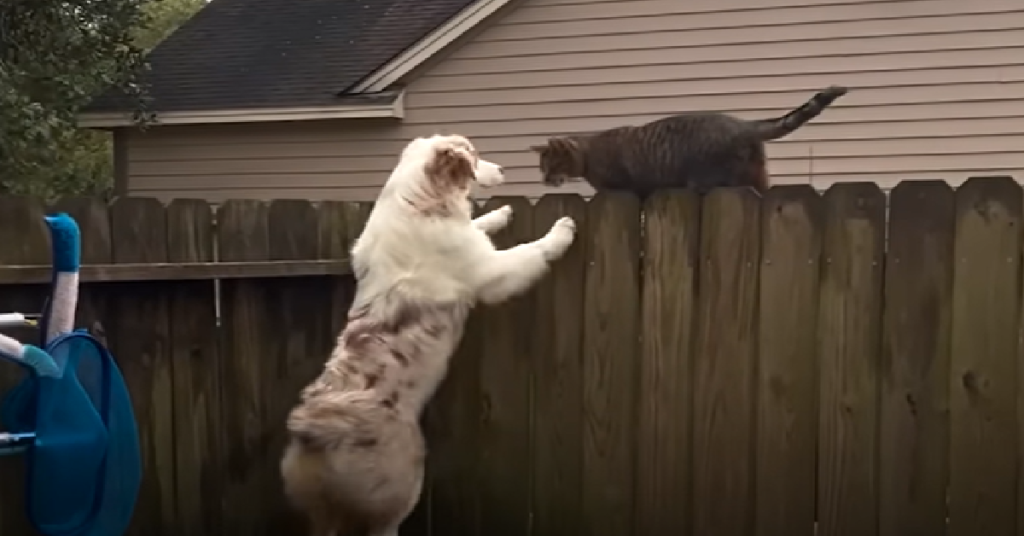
(563,145)
(539,149)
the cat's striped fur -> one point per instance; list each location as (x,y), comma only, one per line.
(700,150)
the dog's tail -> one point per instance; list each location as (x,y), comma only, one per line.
(771,129)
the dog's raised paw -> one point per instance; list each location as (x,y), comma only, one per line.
(567,223)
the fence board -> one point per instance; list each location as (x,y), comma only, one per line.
(298,328)
(453,435)
(610,368)
(723,425)
(196,373)
(764,368)
(558,377)
(849,326)
(914,428)
(671,256)
(986,305)
(25,239)
(140,336)
(246,339)
(505,392)
(339,224)
(787,380)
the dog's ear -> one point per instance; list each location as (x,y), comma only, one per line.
(454,167)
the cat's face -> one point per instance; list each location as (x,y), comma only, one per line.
(561,161)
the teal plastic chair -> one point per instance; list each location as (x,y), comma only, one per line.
(71,416)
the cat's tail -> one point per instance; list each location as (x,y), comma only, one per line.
(771,129)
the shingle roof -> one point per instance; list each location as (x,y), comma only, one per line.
(275,53)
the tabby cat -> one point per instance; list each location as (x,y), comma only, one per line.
(700,150)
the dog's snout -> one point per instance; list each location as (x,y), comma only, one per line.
(501,170)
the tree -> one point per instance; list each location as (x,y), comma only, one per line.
(55,56)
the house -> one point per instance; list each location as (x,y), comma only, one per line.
(314,99)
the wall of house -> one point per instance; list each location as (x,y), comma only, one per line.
(938,93)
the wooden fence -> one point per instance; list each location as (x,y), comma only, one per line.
(735,366)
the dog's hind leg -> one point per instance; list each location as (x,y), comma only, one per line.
(494,220)
(513,271)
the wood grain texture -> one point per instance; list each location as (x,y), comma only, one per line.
(453,438)
(25,239)
(787,379)
(671,246)
(914,429)
(247,340)
(505,385)
(140,341)
(849,329)
(300,330)
(610,365)
(558,378)
(724,366)
(195,370)
(983,375)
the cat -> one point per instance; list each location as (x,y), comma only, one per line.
(699,150)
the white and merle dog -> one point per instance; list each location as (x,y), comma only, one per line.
(355,459)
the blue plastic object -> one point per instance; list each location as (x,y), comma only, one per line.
(84,465)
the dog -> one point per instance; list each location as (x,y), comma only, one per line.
(355,458)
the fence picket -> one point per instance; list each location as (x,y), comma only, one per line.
(983,374)
(195,363)
(610,366)
(849,329)
(139,335)
(246,351)
(914,428)
(557,347)
(668,323)
(787,379)
(724,363)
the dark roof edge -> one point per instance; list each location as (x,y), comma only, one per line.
(384,104)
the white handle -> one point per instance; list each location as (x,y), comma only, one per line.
(15,320)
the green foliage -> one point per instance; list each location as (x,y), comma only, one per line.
(55,56)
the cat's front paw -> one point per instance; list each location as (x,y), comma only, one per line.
(559,238)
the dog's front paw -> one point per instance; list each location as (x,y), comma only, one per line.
(505,213)
(559,238)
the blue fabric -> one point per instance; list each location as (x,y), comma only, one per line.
(85,469)
(65,240)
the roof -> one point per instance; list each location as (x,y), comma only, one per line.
(252,54)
